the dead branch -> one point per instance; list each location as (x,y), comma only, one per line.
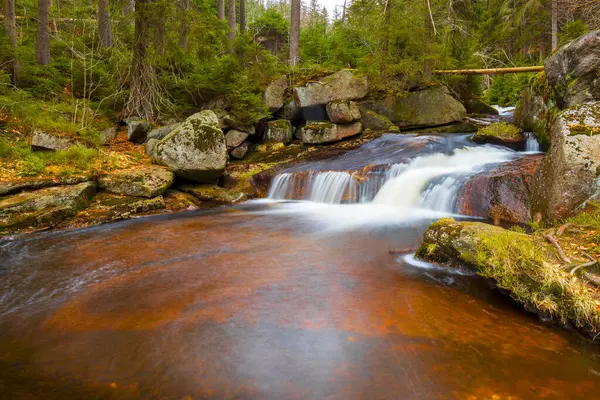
(561,230)
(550,238)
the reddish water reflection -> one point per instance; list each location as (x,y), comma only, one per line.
(236,305)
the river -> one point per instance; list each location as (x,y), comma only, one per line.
(292,297)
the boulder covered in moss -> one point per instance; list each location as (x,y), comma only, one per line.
(213,193)
(422,108)
(343,111)
(277,131)
(149,181)
(501,133)
(196,150)
(315,132)
(377,122)
(522,265)
(41,140)
(274,95)
(137,130)
(573,71)
(533,109)
(570,171)
(43,208)
(343,85)
(476,105)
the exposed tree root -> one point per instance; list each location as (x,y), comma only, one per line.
(550,238)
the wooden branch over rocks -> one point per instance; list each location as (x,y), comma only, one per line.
(489,71)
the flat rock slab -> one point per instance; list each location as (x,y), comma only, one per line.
(149,181)
(213,193)
(43,208)
(19,185)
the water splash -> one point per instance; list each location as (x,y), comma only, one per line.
(531,144)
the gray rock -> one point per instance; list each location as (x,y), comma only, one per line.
(149,181)
(279,131)
(161,132)
(232,123)
(43,208)
(240,151)
(137,130)
(377,122)
(108,134)
(213,193)
(274,95)
(573,71)
(48,141)
(150,146)
(234,138)
(315,132)
(290,111)
(569,173)
(532,111)
(343,111)
(196,150)
(343,85)
(21,184)
(423,108)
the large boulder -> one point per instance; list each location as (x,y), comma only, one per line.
(475,105)
(48,141)
(149,181)
(43,208)
(279,131)
(377,122)
(274,94)
(196,150)
(137,130)
(569,174)
(501,193)
(500,133)
(343,85)
(316,132)
(161,132)
(343,111)
(423,108)
(573,71)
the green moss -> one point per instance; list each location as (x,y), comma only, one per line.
(501,131)
(580,129)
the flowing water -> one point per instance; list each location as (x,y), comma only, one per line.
(292,297)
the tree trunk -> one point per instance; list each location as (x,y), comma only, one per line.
(128,7)
(42,44)
(295,32)
(242,16)
(554,24)
(221,9)
(185,25)
(231,21)
(386,28)
(104,21)
(10,29)
(142,87)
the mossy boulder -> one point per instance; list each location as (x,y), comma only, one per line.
(149,181)
(573,71)
(277,131)
(315,132)
(33,183)
(500,133)
(522,265)
(569,173)
(137,130)
(43,208)
(475,105)
(213,193)
(376,122)
(343,111)
(422,108)
(343,85)
(196,149)
(274,95)
(41,140)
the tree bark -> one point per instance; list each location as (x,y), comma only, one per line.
(490,71)
(104,24)
(42,44)
(386,28)
(185,25)
(295,32)
(128,7)
(10,29)
(554,24)
(231,21)
(221,9)
(142,87)
(242,16)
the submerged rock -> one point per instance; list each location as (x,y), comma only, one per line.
(49,141)
(279,131)
(423,108)
(501,133)
(274,94)
(43,208)
(569,174)
(196,150)
(343,111)
(326,132)
(137,130)
(377,122)
(213,193)
(343,85)
(501,193)
(149,181)
(573,71)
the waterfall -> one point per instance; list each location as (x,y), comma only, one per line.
(532,145)
(330,186)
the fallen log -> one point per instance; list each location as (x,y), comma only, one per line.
(489,71)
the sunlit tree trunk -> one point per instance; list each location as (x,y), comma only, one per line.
(104,22)
(221,9)
(231,21)
(242,16)
(295,32)
(42,44)
(554,24)
(10,29)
